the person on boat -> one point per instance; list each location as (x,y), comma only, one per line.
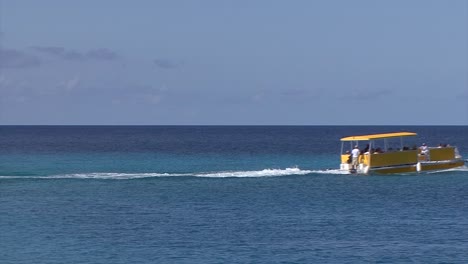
(424,149)
(350,157)
(355,154)
(366,149)
(378,150)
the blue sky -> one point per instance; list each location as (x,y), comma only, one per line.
(234,62)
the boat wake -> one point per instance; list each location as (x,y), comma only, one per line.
(262,173)
(221,174)
(463,168)
(330,171)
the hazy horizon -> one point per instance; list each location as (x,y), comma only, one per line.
(212,62)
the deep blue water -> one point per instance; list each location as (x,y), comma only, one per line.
(208,194)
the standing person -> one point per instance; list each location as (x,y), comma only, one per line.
(355,154)
(424,150)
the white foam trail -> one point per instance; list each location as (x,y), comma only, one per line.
(97,175)
(330,171)
(114,176)
(127,176)
(262,173)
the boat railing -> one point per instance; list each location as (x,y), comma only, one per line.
(394,156)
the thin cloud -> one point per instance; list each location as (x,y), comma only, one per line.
(102,54)
(365,94)
(60,52)
(11,58)
(70,84)
(369,94)
(67,54)
(145,93)
(294,92)
(165,64)
(463,96)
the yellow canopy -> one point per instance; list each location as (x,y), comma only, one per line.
(379,136)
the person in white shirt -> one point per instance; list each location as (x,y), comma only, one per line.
(355,154)
(424,149)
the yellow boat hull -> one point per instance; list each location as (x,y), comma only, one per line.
(424,167)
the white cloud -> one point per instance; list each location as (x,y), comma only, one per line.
(70,84)
(153,99)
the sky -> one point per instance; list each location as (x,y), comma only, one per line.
(238,62)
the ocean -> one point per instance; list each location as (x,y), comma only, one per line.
(221,194)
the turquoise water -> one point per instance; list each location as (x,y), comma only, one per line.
(220,194)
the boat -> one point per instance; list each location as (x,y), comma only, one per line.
(387,153)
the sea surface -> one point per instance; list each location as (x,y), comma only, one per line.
(221,194)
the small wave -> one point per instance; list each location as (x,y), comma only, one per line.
(462,168)
(127,176)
